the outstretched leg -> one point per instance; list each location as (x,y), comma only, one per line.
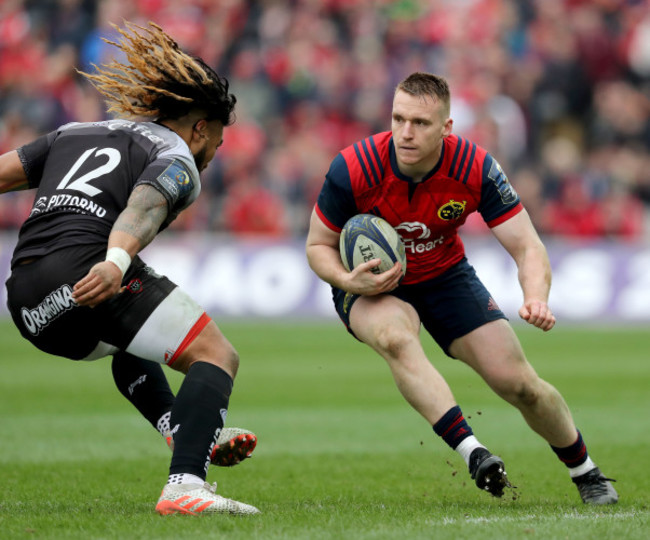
(495,353)
(391,327)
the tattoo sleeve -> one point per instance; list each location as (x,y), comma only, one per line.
(145,212)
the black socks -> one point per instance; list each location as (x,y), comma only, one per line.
(197,417)
(144,384)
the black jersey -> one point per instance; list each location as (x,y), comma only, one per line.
(85,173)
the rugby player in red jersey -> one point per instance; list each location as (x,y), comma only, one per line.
(425,181)
(78,288)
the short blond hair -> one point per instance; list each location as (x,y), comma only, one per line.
(427,84)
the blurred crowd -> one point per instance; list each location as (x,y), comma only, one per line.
(557,90)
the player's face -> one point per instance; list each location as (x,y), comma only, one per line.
(419,125)
(211,140)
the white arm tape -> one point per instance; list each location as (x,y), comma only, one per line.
(120,258)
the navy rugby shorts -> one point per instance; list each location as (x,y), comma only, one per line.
(449,306)
(39,299)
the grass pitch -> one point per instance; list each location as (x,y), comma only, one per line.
(340,454)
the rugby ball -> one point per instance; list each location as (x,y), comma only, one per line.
(365,237)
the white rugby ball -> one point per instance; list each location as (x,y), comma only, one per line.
(365,237)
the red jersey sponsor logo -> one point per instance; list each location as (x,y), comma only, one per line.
(416,237)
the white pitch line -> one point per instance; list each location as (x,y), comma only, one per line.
(534,517)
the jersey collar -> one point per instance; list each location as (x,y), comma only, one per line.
(398,173)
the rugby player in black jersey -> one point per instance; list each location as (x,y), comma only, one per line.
(78,288)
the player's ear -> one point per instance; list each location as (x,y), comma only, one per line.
(199,129)
(446,127)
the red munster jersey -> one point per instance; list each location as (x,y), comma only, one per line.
(365,178)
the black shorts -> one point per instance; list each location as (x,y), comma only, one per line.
(40,303)
(449,306)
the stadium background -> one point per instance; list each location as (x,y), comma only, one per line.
(557,90)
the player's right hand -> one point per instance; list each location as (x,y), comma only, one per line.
(363,281)
(537,313)
(103,281)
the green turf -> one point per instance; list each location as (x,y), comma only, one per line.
(340,454)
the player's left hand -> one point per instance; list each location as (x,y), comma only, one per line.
(102,282)
(538,314)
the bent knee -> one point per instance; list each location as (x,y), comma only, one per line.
(212,347)
(221,353)
(232,358)
(393,342)
(521,393)
(225,357)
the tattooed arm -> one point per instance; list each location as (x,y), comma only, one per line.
(140,221)
(134,229)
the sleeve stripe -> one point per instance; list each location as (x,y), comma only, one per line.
(363,165)
(326,221)
(453,162)
(469,165)
(505,217)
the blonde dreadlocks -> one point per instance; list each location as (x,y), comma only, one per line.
(160,81)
